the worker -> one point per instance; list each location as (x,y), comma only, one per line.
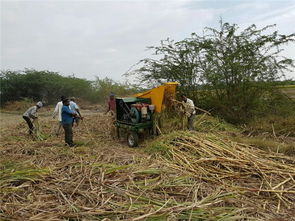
(31,113)
(57,111)
(67,116)
(74,107)
(190,111)
(111,104)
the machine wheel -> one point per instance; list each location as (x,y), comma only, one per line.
(132,139)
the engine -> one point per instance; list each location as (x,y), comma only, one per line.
(141,112)
(134,110)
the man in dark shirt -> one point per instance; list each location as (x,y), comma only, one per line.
(111,104)
(67,122)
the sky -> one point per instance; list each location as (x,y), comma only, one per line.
(105,38)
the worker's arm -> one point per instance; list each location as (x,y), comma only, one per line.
(69,112)
(76,107)
(197,108)
(79,113)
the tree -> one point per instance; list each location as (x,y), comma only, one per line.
(42,85)
(227,69)
(103,87)
(49,86)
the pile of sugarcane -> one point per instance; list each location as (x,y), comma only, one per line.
(187,176)
(268,179)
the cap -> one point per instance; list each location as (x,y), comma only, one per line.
(39,104)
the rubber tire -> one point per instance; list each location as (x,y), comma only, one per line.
(132,139)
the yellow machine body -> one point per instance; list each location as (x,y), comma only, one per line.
(160,95)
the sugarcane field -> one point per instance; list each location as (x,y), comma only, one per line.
(147,110)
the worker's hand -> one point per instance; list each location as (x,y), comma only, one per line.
(187,114)
(81,118)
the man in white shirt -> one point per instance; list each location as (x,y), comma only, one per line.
(74,107)
(57,111)
(31,113)
(190,111)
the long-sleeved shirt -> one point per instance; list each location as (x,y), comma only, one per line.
(57,110)
(31,112)
(67,115)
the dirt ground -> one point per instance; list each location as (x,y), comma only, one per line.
(9,119)
(95,131)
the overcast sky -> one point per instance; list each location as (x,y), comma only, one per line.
(105,38)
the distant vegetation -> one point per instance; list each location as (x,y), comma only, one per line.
(49,86)
(286,82)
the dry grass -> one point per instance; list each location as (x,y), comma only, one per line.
(289,90)
(99,179)
(255,176)
(276,145)
(18,105)
(274,125)
(201,177)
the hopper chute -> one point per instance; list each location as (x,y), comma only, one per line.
(160,96)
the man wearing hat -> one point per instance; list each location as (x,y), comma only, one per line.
(31,113)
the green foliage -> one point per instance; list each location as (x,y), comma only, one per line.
(157,147)
(50,86)
(226,70)
(286,83)
(103,87)
(205,123)
(41,85)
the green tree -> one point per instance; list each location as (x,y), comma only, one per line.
(42,85)
(103,87)
(226,69)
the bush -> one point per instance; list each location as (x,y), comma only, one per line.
(41,85)
(103,87)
